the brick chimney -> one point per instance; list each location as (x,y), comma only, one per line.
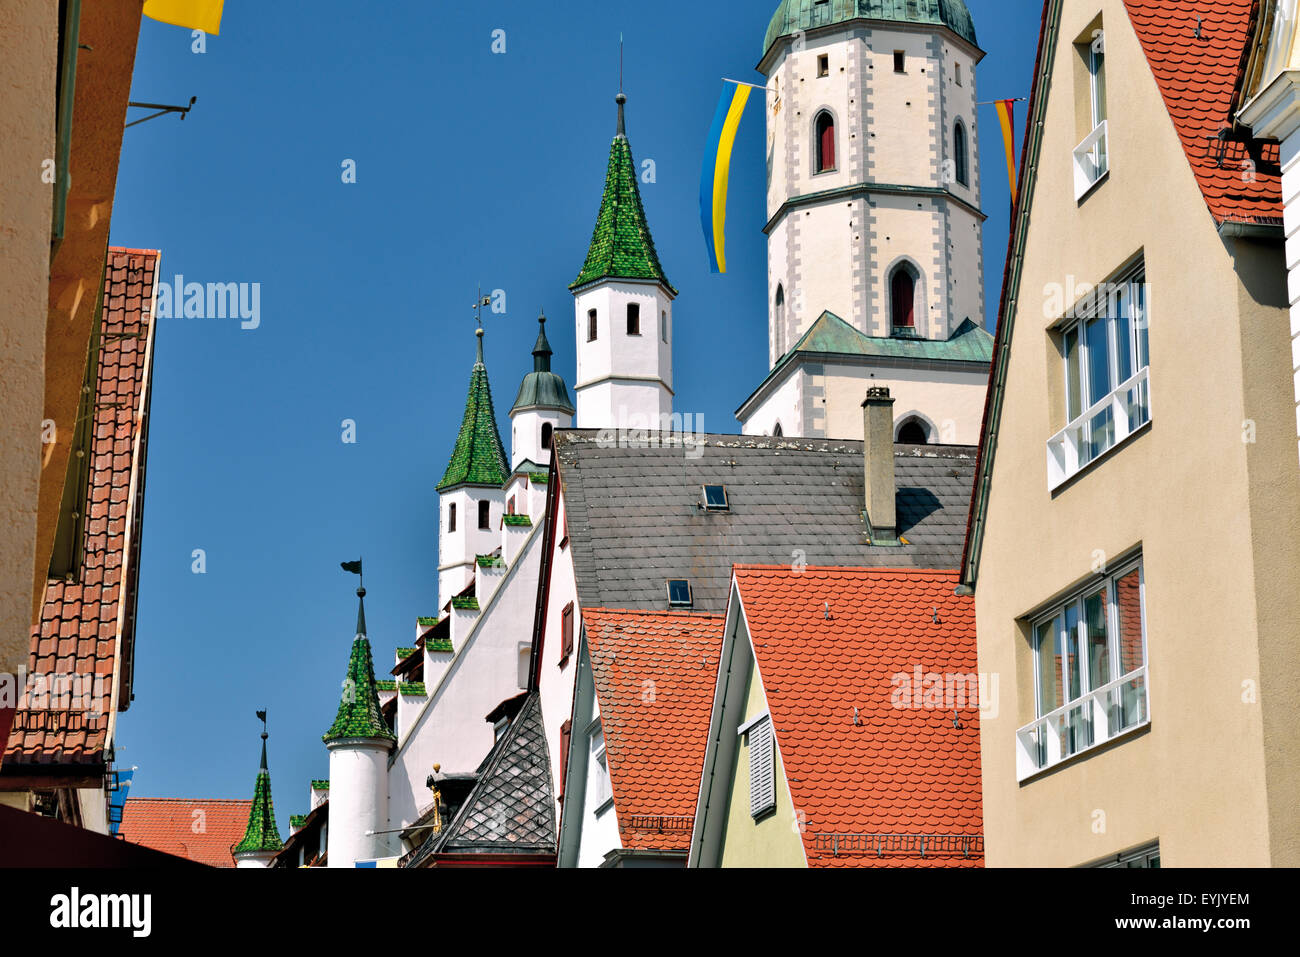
(878,466)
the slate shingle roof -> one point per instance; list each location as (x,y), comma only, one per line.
(633,521)
(1198,77)
(512,807)
(654,674)
(78,631)
(200,830)
(900,770)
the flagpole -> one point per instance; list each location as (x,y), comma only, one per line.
(1014,99)
(727,79)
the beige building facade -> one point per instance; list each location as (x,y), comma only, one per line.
(1135,539)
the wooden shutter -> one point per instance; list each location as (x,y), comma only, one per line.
(566,632)
(762,776)
(566,735)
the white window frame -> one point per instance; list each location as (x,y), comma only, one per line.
(604,788)
(1098,715)
(1092,156)
(1100,427)
(1138,857)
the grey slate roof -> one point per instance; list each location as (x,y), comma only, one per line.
(633,521)
(512,807)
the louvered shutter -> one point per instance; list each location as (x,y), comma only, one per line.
(762,777)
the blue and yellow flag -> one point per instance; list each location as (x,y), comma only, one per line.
(717,168)
(202,15)
(1007,117)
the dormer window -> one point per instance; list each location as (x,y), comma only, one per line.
(715,498)
(679,593)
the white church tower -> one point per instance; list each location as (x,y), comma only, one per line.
(623,307)
(541,407)
(875,255)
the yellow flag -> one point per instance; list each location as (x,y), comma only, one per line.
(202,15)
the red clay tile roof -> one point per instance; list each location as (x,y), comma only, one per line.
(199,829)
(1198,78)
(79,628)
(903,769)
(654,673)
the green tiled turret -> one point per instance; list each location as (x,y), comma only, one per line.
(621,245)
(359,715)
(479,458)
(261,835)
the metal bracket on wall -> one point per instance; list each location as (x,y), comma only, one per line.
(162,109)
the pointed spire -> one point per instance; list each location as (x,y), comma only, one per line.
(621,244)
(542,349)
(479,457)
(261,836)
(359,715)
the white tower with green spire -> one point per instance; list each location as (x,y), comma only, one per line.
(261,840)
(359,743)
(623,308)
(541,407)
(471,495)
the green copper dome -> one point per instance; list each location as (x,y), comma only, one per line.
(795,15)
(542,388)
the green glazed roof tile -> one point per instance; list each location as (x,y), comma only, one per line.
(386,685)
(359,715)
(426,622)
(541,478)
(405,652)
(796,16)
(442,644)
(523,520)
(489,561)
(467,602)
(261,833)
(297,820)
(411,688)
(479,458)
(621,244)
(320,785)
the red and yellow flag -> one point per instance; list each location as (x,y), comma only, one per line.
(1007,115)
(202,15)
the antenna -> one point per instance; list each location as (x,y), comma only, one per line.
(620,62)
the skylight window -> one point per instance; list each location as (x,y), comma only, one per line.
(715,498)
(679,593)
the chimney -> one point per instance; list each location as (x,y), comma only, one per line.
(878,466)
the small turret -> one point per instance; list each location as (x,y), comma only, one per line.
(261,840)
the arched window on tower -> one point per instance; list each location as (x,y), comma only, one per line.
(913,432)
(547,429)
(825,142)
(778,313)
(902,296)
(960,155)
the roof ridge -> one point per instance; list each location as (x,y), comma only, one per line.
(668,613)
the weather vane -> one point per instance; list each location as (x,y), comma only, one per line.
(479,303)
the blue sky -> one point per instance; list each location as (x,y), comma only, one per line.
(472,167)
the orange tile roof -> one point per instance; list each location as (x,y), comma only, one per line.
(199,829)
(1198,78)
(78,632)
(904,769)
(654,673)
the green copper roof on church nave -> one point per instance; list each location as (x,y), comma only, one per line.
(621,244)
(359,715)
(479,458)
(261,833)
(799,16)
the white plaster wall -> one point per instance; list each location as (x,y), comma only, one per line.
(451,730)
(599,833)
(783,405)
(556,681)
(457,550)
(358,803)
(952,401)
(615,353)
(526,434)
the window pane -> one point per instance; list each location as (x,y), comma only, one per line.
(1050,682)
(1073,384)
(1098,352)
(1128,607)
(1098,84)
(1140,320)
(1123,334)
(1073,665)
(1094,613)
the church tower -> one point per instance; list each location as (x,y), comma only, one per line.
(874,221)
(470,496)
(541,407)
(623,308)
(359,742)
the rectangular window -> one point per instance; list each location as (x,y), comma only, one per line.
(824,65)
(1146,856)
(762,768)
(484,514)
(679,593)
(1090,675)
(663,325)
(900,61)
(957,73)
(715,498)
(591,325)
(566,632)
(1104,345)
(1091,157)
(633,319)
(600,769)
(451,517)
